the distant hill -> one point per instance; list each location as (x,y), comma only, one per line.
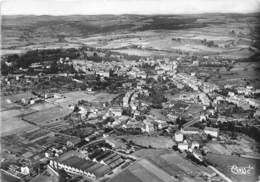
(22,30)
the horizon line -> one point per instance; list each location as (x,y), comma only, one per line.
(140,14)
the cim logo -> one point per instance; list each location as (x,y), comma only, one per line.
(241,170)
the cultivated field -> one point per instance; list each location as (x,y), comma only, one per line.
(176,162)
(156,142)
(173,163)
(47,116)
(71,98)
(6,104)
(42,106)
(125,176)
(143,171)
(217,148)
(12,123)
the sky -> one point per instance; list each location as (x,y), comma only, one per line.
(93,7)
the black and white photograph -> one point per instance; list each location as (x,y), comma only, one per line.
(130,91)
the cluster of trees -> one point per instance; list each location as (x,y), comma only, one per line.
(130,57)
(79,131)
(251,131)
(181,121)
(35,56)
(6,69)
(45,55)
(210,43)
(164,22)
(156,97)
(12,63)
(176,39)
(128,131)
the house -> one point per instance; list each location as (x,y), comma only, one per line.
(141,75)
(203,118)
(214,132)
(204,99)
(178,136)
(103,73)
(32,101)
(161,124)
(89,90)
(190,131)
(149,127)
(197,155)
(82,110)
(127,84)
(73,141)
(23,101)
(183,146)
(172,117)
(132,74)
(195,144)
(116,111)
(25,170)
(53,152)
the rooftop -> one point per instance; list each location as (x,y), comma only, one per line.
(79,163)
(76,160)
(191,129)
(211,129)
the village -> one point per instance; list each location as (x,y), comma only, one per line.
(91,117)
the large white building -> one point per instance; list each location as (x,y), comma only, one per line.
(74,163)
(214,132)
(178,136)
(183,146)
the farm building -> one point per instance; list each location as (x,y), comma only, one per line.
(178,136)
(73,163)
(211,131)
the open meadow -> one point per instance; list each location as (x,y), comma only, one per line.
(11,122)
(224,163)
(155,142)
